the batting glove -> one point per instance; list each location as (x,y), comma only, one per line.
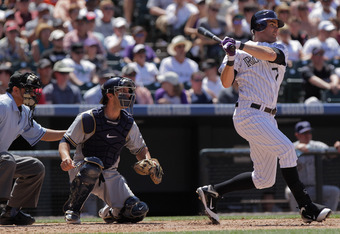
(230,49)
(238,44)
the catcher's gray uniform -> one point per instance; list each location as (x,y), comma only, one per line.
(114,191)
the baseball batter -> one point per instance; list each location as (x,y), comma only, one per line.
(16,118)
(258,67)
(99,135)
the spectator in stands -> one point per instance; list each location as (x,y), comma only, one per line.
(318,76)
(92,54)
(177,14)
(117,42)
(57,52)
(42,42)
(337,146)
(296,30)
(212,49)
(190,29)
(62,7)
(325,12)
(82,32)
(13,48)
(92,6)
(283,12)
(294,46)
(268,204)
(84,72)
(2,26)
(70,22)
(93,95)
(139,35)
(196,94)
(171,91)
(143,95)
(157,8)
(22,14)
(5,74)
(146,72)
(211,82)
(238,33)
(44,16)
(324,40)
(229,95)
(60,90)
(306,24)
(249,9)
(307,170)
(239,7)
(105,25)
(178,62)
(44,70)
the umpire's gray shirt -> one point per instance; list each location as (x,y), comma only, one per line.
(14,122)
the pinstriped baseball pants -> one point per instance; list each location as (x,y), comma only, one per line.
(267,144)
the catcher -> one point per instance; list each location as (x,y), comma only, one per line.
(99,136)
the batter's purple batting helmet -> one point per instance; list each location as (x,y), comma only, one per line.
(259,20)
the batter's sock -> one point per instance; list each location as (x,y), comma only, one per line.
(297,188)
(242,181)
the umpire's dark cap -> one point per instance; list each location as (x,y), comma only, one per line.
(302,127)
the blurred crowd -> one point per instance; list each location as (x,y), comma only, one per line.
(74,46)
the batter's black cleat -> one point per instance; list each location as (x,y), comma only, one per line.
(314,212)
(20,218)
(72,217)
(209,197)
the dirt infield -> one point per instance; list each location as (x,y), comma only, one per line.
(172,226)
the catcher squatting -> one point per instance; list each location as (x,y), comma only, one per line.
(99,135)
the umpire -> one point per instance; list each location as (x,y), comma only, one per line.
(16,118)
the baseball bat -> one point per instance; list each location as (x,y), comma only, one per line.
(205,32)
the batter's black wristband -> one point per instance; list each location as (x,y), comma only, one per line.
(241,46)
(230,63)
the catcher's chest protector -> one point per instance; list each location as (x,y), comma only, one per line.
(109,137)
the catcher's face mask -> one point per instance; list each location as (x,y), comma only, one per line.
(126,96)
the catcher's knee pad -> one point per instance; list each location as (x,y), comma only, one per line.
(83,183)
(134,210)
(90,170)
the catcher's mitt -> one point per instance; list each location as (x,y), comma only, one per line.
(150,167)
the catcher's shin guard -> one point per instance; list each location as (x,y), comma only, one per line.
(133,211)
(83,184)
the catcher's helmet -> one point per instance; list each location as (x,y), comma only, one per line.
(259,20)
(125,88)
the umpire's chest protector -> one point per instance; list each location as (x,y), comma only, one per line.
(109,136)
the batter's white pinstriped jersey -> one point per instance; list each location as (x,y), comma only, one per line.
(258,80)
